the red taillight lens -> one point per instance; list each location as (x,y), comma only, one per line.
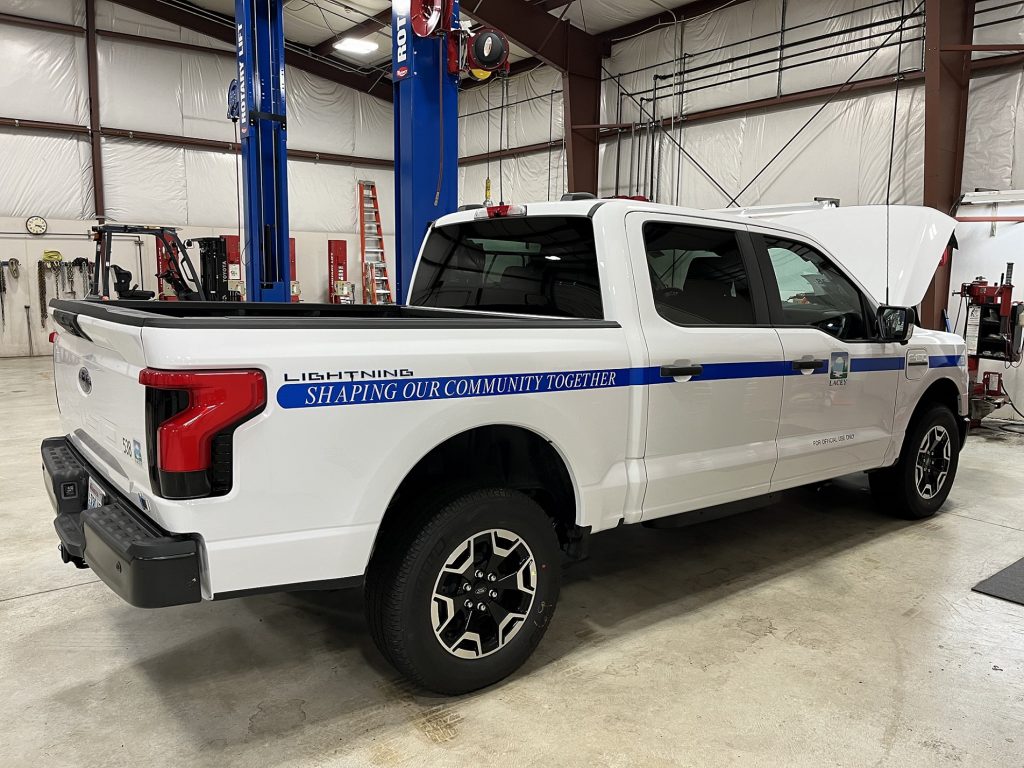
(53,337)
(500,211)
(217,400)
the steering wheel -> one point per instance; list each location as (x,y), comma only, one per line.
(668,295)
(833,326)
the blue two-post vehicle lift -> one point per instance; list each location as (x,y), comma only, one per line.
(263,123)
(426,142)
(426,136)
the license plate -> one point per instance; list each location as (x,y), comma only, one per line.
(96,497)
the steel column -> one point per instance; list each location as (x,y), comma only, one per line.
(95,139)
(259,25)
(426,118)
(581,106)
(946,85)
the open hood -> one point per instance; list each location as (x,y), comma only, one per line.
(856,236)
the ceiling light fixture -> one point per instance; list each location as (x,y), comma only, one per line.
(356,46)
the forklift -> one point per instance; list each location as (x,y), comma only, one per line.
(176,268)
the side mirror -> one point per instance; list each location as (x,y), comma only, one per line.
(895,323)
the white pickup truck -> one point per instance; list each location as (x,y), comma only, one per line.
(560,369)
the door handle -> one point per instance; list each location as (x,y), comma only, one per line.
(809,365)
(918,362)
(675,371)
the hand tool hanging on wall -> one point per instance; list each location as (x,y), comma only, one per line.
(3,294)
(14,267)
(81,266)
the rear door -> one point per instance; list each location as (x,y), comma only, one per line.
(715,391)
(839,397)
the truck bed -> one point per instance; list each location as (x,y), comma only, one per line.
(230,314)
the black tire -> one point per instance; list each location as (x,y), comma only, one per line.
(898,489)
(403,574)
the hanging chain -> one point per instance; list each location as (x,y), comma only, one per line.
(41,270)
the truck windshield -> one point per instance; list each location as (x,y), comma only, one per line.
(536,265)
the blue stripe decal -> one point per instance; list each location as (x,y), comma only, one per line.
(309,395)
(870,364)
(318,394)
(945,361)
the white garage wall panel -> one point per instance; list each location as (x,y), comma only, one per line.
(112,16)
(843,153)
(63,11)
(533,113)
(994,148)
(45,76)
(45,173)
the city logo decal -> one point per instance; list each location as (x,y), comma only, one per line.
(838,369)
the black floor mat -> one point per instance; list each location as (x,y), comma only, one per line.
(1008,584)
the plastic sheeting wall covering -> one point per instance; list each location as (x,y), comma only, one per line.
(844,153)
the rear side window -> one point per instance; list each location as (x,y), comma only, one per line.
(538,265)
(697,275)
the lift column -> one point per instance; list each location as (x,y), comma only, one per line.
(259,28)
(426,134)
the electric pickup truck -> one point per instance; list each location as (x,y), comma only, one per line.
(558,369)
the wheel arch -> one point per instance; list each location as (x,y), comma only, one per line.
(945,392)
(506,455)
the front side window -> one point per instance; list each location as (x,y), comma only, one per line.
(814,292)
(536,265)
(697,275)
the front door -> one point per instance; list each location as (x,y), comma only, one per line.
(714,363)
(839,399)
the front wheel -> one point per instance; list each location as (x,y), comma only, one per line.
(917,485)
(462,599)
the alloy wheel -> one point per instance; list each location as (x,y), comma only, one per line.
(483,594)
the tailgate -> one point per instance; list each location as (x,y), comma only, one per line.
(96,366)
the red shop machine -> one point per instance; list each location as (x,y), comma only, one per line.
(993,331)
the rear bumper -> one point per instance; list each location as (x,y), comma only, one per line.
(144,564)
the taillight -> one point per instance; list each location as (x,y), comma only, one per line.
(53,337)
(204,404)
(500,211)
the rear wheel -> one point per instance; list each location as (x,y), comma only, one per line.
(917,485)
(462,599)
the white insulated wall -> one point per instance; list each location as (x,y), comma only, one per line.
(533,115)
(843,153)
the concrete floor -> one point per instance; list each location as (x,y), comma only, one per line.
(816,633)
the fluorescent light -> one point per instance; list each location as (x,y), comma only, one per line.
(354,45)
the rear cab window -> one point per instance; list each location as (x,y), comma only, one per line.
(534,265)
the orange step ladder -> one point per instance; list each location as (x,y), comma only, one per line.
(376,284)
